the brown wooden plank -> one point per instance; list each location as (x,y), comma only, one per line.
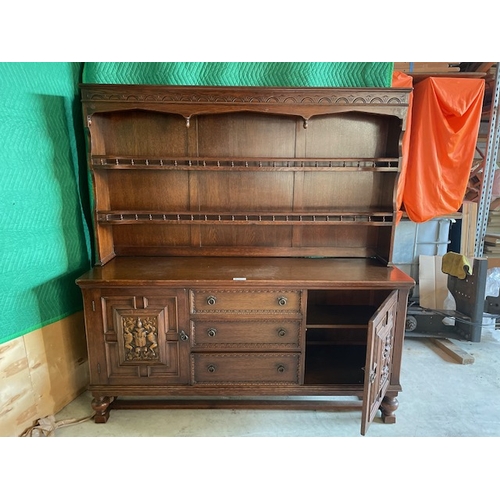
(244,404)
(454,351)
(469,222)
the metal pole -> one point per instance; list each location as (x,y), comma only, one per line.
(490,162)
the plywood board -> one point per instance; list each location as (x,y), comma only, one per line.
(433,283)
(57,358)
(40,373)
(17,402)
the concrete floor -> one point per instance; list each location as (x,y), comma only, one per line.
(440,398)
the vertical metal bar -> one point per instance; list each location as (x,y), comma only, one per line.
(488,172)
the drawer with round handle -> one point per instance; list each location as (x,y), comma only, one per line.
(245,300)
(248,332)
(245,368)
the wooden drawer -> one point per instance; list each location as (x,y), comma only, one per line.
(248,332)
(241,301)
(241,368)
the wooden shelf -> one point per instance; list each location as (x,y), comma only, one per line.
(127,217)
(324,316)
(418,77)
(243,164)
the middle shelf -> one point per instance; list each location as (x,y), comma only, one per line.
(137,162)
(131,217)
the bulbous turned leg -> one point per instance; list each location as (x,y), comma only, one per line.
(101,407)
(388,407)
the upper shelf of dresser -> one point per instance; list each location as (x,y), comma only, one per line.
(247,171)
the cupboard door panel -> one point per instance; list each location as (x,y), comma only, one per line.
(380,341)
(143,343)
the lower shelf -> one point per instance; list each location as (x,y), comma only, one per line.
(336,364)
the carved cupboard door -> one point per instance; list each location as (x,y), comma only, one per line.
(380,342)
(144,339)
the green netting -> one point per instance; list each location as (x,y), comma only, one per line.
(267,74)
(44,241)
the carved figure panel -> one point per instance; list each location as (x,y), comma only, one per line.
(140,338)
(141,335)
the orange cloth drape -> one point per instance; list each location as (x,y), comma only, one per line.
(403,81)
(445,118)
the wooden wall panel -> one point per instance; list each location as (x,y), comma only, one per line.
(40,373)
(17,400)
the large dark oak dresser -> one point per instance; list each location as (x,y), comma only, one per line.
(243,248)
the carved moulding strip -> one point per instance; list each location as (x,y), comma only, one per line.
(241,346)
(250,95)
(191,101)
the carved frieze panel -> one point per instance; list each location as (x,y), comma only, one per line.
(240,95)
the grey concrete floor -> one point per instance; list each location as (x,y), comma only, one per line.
(440,398)
(452,409)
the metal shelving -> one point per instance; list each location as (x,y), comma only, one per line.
(488,167)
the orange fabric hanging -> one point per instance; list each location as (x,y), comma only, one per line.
(445,121)
(402,80)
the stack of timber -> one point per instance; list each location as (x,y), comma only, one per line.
(427,67)
(492,237)
(492,244)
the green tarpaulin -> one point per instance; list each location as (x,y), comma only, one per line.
(267,74)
